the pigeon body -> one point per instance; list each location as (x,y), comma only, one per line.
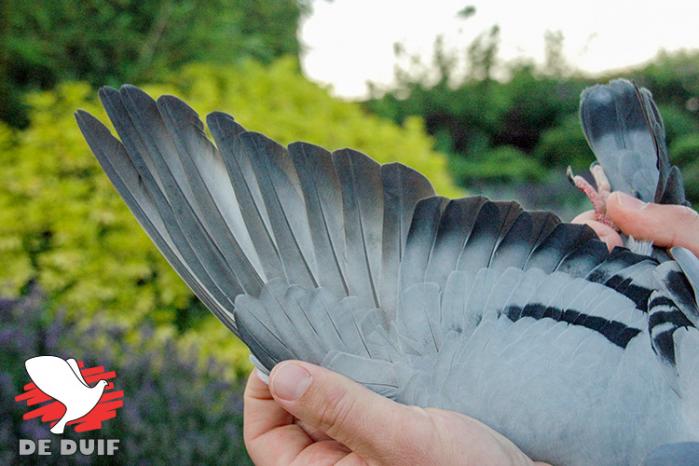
(578,355)
(61,379)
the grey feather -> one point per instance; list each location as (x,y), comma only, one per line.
(483,238)
(322,193)
(674,454)
(514,248)
(211,188)
(380,376)
(362,196)
(627,135)
(403,188)
(156,218)
(616,126)
(282,198)
(455,228)
(676,286)
(689,263)
(236,158)
(455,297)
(418,320)
(153,152)
(422,236)
(558,245)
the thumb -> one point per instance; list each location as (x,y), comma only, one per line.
(365,422)
(665,225)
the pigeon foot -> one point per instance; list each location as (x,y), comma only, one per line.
(598,197)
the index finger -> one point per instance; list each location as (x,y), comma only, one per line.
(271,436)
(665,225)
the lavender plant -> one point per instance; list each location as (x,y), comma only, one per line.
(176,410)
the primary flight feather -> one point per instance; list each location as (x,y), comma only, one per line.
(578,355)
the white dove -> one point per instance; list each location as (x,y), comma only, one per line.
(62,380)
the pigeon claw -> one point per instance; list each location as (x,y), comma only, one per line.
(597,196)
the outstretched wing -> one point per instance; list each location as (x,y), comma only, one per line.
(249,221)
(626,133)
(233,217)
(249,224)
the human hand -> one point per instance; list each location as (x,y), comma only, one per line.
(666,225)
(310,415)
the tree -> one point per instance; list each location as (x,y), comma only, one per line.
(112,42)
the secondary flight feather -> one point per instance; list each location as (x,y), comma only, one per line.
(578,355)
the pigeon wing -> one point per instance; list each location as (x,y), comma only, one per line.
(235,216)
(247,221)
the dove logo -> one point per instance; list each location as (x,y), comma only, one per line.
(66,393)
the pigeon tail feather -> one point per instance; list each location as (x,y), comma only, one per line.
(626,133)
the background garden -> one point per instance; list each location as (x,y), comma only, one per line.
(79,278)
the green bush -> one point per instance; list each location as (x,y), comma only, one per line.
(672,76)
(63,226)
(564,145)
(685,153)
(678,122)
(502,164)
(685,150)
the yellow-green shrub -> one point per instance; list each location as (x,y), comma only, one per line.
(63,226)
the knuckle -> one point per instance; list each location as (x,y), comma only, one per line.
(687,213)
(686,225)
(693,217)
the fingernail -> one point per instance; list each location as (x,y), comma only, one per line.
(629,202)
(290,381)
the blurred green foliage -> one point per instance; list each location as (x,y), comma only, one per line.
(685,152)
(112,42)
(523,127)
(63,226)
(496,165)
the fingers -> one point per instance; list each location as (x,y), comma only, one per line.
(665,225)
(604,232)
(270,434)
(368,424)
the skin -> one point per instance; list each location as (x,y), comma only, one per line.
(309,415)
(665,225)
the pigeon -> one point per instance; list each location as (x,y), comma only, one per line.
(578,355)
(61,380)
